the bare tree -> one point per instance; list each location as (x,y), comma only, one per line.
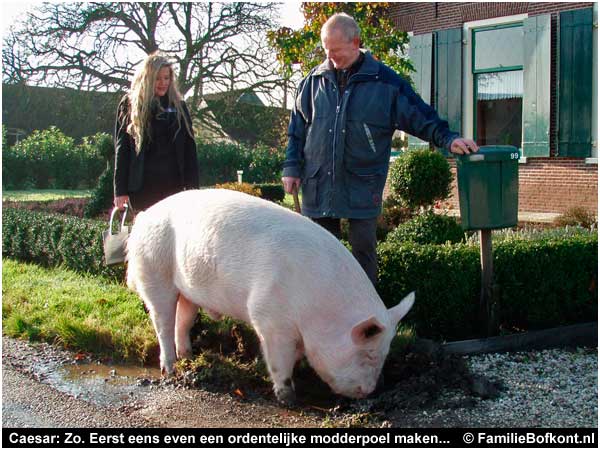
(96,45)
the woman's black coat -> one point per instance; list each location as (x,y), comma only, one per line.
(129,166)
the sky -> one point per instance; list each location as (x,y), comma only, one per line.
(12,10)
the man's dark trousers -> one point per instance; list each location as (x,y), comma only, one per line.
(363,239)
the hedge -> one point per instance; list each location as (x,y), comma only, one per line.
(50,159)
(218,163)
(446,281)
(56,240)
(546,282)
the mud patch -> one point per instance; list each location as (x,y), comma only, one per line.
(414,380)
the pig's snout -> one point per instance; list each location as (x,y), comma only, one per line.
(363,391)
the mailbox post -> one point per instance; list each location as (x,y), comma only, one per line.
(488,189)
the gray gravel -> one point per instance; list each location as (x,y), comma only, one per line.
(548,388)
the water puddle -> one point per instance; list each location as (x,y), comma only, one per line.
(98,383)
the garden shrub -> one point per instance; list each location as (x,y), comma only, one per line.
(102,196)
(54,239)
(265,164)
(393,213)
(428,228)
(548,281)
(446,279)
(543,282)
(94,152)
(246,188)
(576,216)
(50,159)
(272,191)
(219,162)
(420,177)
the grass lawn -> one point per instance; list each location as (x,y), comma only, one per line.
(80,312)
(44,194)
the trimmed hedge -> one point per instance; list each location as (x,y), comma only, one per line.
(542,283)
(446,279)
(545,282)
(271,191)
(56,240)
(428,228)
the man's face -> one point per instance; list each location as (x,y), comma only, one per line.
(339,50)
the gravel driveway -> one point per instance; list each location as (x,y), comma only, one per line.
(550,388)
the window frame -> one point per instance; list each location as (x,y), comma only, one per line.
(469,94)
(474,47)
(475,72)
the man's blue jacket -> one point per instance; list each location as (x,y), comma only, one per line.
(340,142)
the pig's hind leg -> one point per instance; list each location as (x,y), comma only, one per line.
(161,302)
(185,317)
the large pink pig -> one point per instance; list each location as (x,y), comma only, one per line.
(236,255)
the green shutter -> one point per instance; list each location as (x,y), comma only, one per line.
(536,86)
(448,77)
(420,55)
(575,83)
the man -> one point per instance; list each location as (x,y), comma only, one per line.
(340,134)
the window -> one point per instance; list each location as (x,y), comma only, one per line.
(497,67)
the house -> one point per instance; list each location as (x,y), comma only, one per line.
(523,74)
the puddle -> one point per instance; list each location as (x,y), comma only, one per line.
(98,383)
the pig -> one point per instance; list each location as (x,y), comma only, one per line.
(236,255)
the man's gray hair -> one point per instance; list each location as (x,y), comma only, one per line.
(344,23)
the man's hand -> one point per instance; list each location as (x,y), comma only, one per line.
(121,200)
(462,146)
(291,184)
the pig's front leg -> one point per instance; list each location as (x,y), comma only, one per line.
(280,355)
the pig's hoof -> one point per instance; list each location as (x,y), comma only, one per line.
(185,354)
(286,396)
(166,373)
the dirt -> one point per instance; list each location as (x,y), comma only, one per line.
(231,390)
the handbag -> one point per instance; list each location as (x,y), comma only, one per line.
(114,243)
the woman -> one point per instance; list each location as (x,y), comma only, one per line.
(154,141)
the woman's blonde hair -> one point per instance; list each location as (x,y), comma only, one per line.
(141,99)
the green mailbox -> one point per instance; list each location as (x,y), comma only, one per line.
(488,187)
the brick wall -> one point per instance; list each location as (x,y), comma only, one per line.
(545,184)
(551,185)
(421,17)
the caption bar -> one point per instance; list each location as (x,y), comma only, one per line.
(292,438)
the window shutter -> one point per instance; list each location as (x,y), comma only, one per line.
(448,77)
(575,83)
(420,53)
(536,86)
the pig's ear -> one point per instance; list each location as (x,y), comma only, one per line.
(402,308)
(367,330)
